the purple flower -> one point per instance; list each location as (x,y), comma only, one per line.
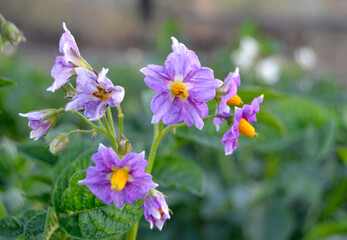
(64,67)
(119,181)
(242,119)
(39,127)
(94,94)
(155,208)
(183,87)
(229,97)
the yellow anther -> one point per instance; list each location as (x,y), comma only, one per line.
(119,179)
(246,128)
(180,91)
(160,211)
(235,101)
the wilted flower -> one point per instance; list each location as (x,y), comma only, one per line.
(183,87)
(155,208)
(59,143)
(229,97)
(243,117)
(115,180)
(94,94)
(64,67)
(39,126)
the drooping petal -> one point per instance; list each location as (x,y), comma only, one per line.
(95,110)
(61,72)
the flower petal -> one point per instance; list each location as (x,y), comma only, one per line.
(157,77)
(194,112)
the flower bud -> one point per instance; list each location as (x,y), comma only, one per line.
(59,143)
(12,33)
(124,145)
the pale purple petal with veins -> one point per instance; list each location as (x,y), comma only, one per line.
(172,104)
(94,94)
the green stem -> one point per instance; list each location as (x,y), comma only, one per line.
(110,135)
(110,121)
(120,119)
(81,131)
(131,235)
(159,132)
(88,122)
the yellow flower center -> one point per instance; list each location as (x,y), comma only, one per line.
(235,101)
(101,93)
(179,90)
(119,179)
(247,129)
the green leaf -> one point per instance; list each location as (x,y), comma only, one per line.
(327,229)
(267,118)
(37,153)
(81,214)
(42,226)
(181,173)
(13,227)
(335,199)
(4,82)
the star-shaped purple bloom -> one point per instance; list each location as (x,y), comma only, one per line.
(183,87)
(241,124)
(155,208)
(118,180)
(231,82)
(39,127)
(94,94)
(64,67)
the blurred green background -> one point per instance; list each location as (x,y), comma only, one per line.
(289,183)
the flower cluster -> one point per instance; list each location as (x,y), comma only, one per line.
(183,88)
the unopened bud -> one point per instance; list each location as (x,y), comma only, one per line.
(12,33)
(59,143)
(124,145)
